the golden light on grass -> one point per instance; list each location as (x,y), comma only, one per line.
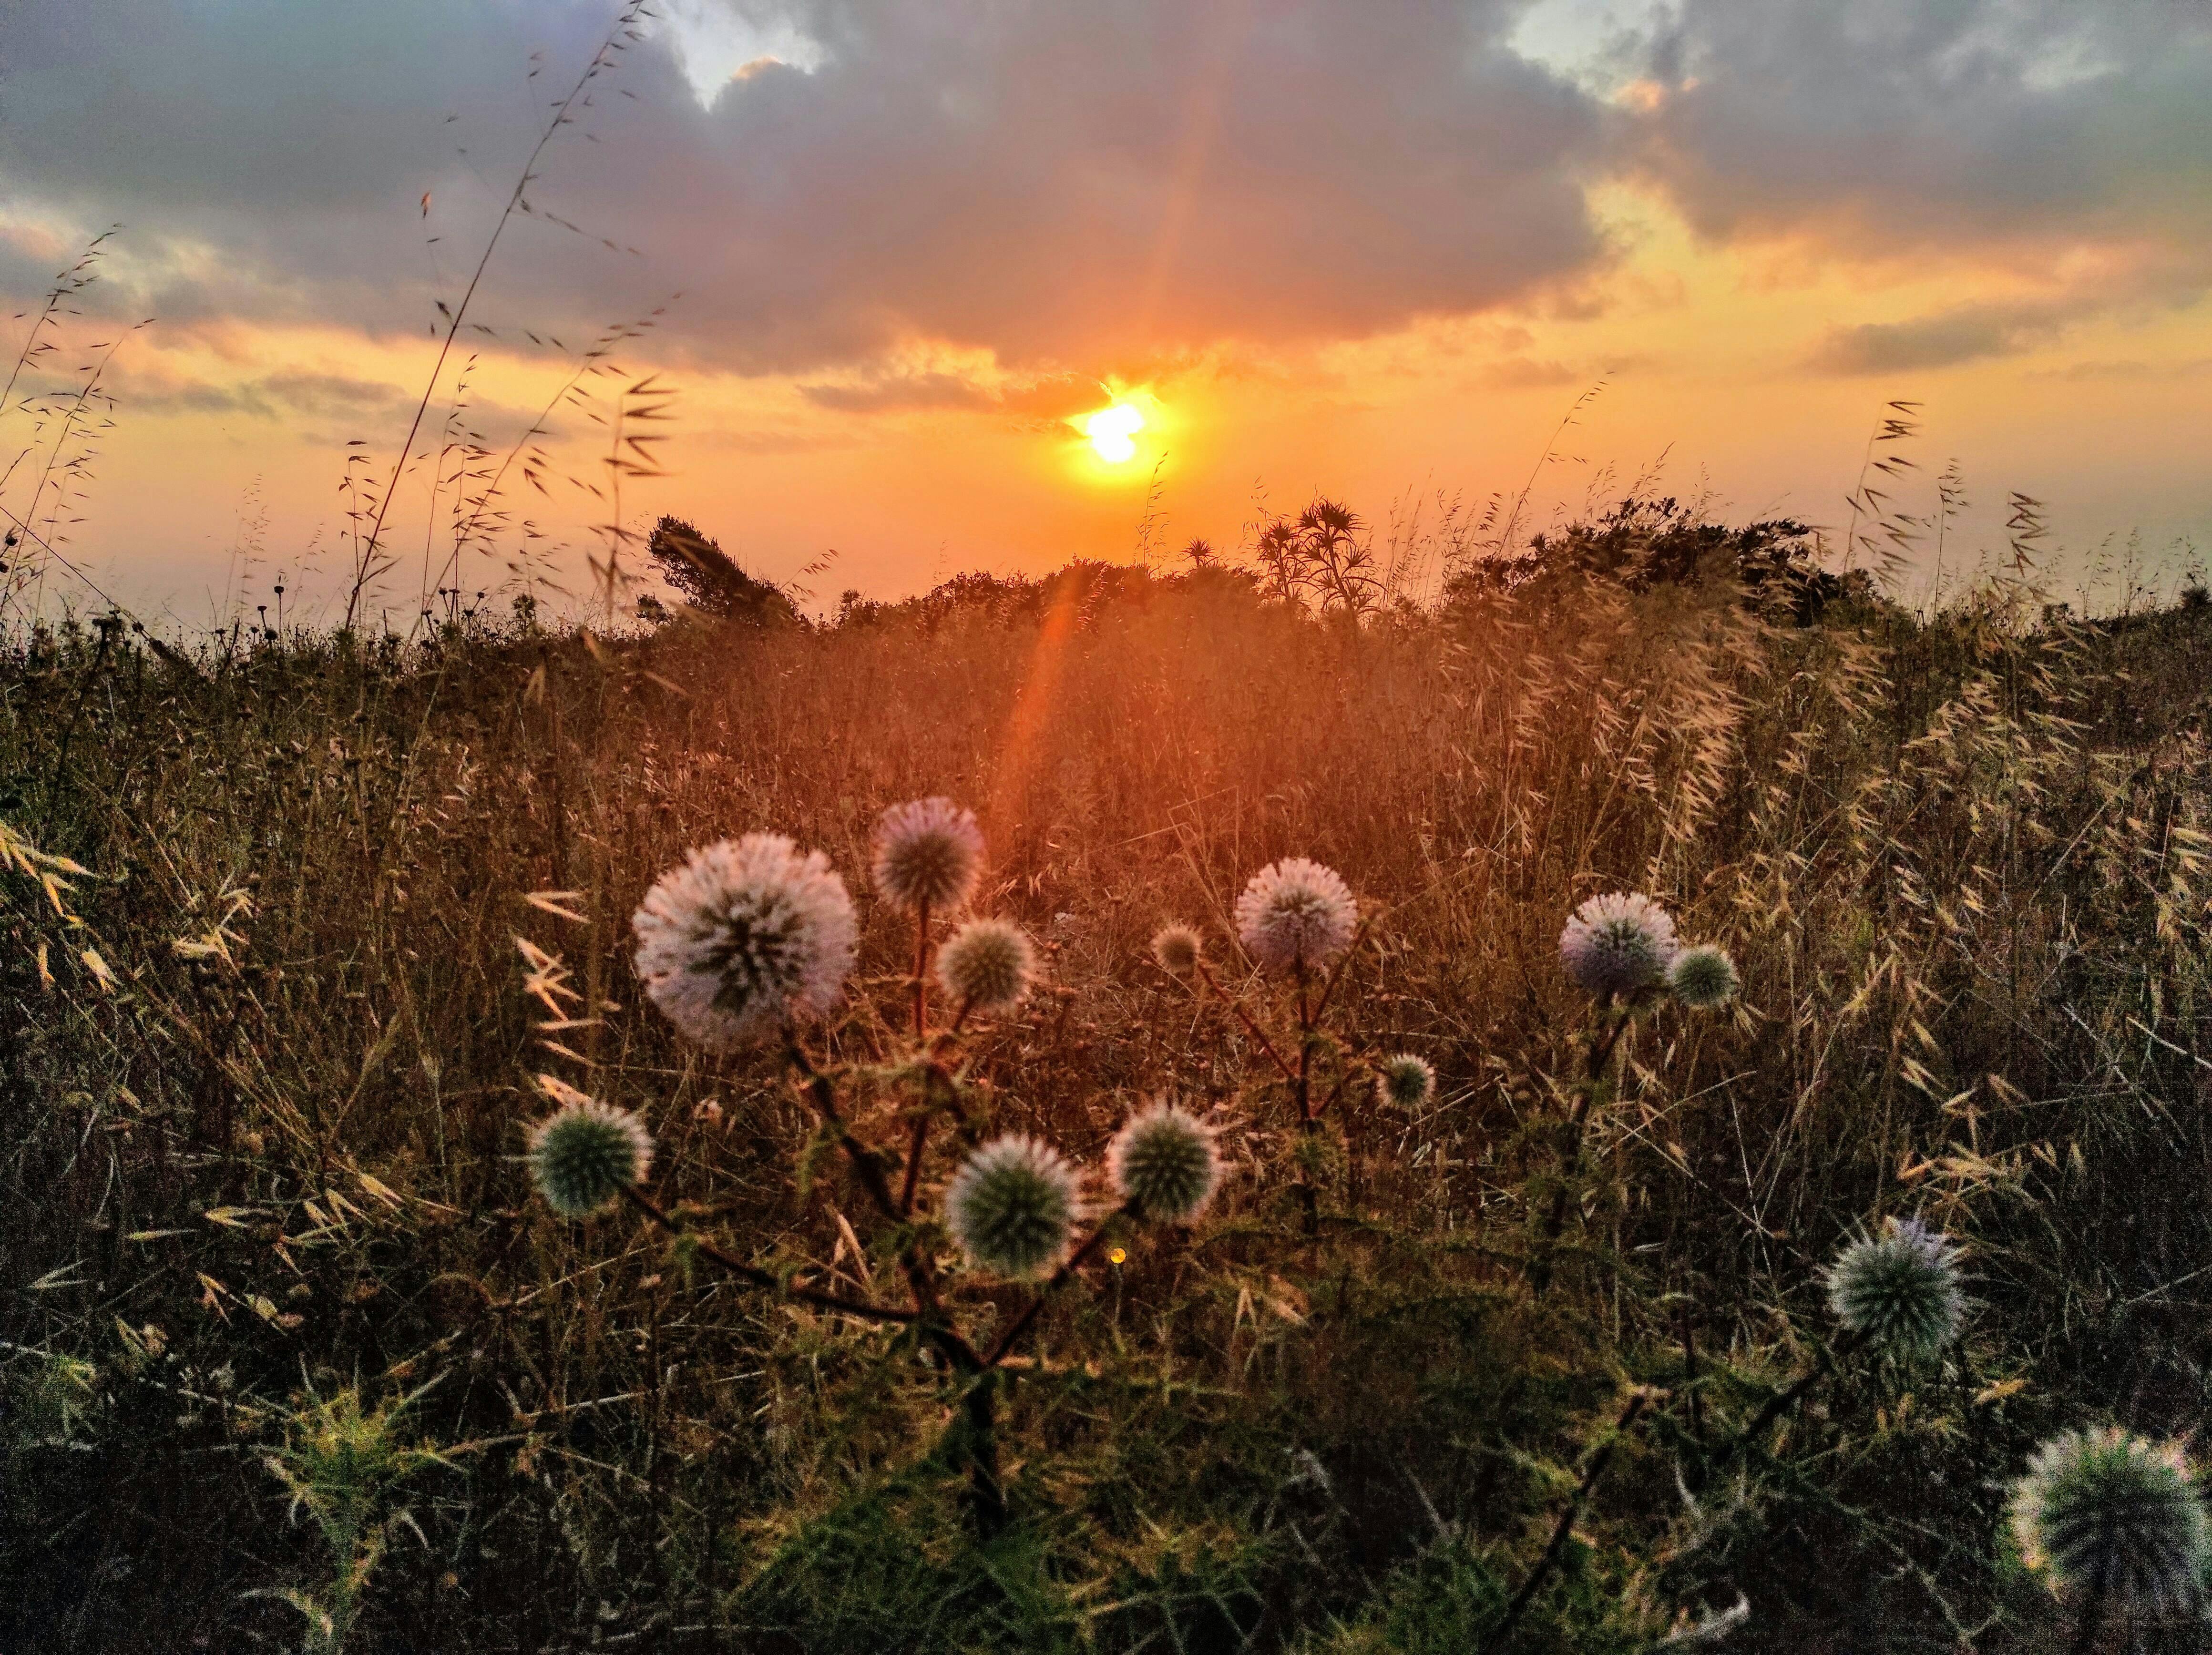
(1113,432)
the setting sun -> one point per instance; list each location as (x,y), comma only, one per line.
(1113,432)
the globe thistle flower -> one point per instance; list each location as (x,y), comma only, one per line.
(747,932)
(929,852)
(988,965)
(586,1153)
(1012,1205)
(1900,1290)
(1618,945)
(1704,978)
(1405,1082)
(1295,912)
(1164,1165)
(2106,1506)
(1177,949)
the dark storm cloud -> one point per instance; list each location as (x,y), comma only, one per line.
(1966,334)
(1903,123)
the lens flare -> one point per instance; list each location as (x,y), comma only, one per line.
(1113,432)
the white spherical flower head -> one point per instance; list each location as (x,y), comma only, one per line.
(746,933)
(1177,949)
(929,852)
(584,1154)
(1012,1206)
(1405,1082)
(1619,945)
(2106,1505)
(1900,1290)
(1704,978)
(986,965)
(1296,913)
(1164,1165)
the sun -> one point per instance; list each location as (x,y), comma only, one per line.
(1113,432)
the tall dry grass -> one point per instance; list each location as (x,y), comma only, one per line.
(267,1152)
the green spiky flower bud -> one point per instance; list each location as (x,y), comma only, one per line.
(2105,1509)
(1177,949)
(1164,1165)
(1012,1205)
(1899,1290)
(1704,978)
(586,1153)
(1405,1082)
(986,964)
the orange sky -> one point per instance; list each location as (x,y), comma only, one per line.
(2062,346)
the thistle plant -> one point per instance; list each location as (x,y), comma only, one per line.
(1621,950)
(1899,1291)
(2104,1515)
(751,938)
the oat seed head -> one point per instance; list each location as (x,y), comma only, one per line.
(927,851)
(1296,913)
(746,933)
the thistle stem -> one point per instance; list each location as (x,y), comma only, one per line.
(761,1278)
(1075,1261)
(1244,1017)
(1565,1527)
(920,970)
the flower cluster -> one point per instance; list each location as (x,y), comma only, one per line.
(1622,946)
(986,965)
(1296,914)
(1405,1082)
(928,853)
(587,1153)
(1013,1206)
(746,934)
(1164,1165)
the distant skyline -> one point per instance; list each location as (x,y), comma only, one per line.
(894,254)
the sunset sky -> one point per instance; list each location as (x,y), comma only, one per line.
(900,250)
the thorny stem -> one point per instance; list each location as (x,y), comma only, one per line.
(761,1278)
(1783,1400)
(1205,972)
(1328,989)
(1075,1261)
(922,971)
(1570,1141)
(1565,1527)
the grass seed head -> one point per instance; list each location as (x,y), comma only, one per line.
(1619,945)
(1900,1290)
(987,964)
(746,933)
(1164,1165)
(1296,913)
(1405,1082)
(584,1154)
(1012,1206)
(928,852)
(1704,978)
(2106,1505)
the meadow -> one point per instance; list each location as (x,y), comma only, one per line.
(292,1355)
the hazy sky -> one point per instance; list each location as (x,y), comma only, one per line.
(895,251)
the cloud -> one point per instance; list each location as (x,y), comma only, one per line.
(1055,185)
(1967,333)
(901,393)
(1892,125)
